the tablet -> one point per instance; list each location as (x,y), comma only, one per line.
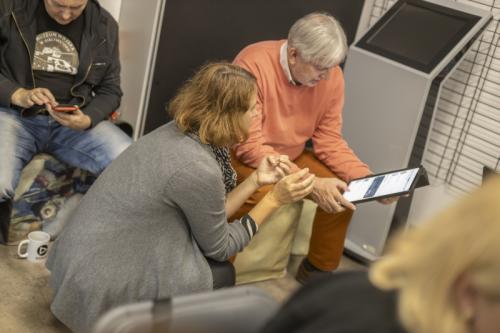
(383,185)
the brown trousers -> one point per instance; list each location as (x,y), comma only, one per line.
(328,231)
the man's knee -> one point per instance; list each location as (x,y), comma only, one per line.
(116,141)
(7,172)
(7,189)
(15,149)
(333,220)
(309,160)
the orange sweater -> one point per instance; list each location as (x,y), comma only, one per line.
(289,115)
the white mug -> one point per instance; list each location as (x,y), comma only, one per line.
(37,246)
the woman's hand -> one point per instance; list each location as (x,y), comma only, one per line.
(271,169)
(293,187)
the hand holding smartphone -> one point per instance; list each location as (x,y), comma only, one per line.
(68,108)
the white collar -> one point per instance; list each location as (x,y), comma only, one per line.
(284,63)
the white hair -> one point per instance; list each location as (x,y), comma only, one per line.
(319,39)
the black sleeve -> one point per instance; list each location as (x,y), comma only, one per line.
(250,226)
(108,92)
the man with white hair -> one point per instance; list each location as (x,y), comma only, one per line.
(300,97)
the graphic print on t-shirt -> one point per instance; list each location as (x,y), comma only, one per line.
(55,53)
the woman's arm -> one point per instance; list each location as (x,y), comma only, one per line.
(198,191)
(289,189)
(241,193)
(201,201)
(270,170)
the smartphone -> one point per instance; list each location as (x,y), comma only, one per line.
(385,185)
(65,108)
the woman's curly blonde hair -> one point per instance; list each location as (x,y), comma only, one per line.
(213,102)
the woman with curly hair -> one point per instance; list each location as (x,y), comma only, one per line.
(154,224)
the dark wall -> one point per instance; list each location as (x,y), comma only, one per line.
(197,31)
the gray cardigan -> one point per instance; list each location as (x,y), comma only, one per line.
(143,230)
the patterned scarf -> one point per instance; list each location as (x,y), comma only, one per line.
(223,157)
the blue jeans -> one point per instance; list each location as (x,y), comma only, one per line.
(23,137)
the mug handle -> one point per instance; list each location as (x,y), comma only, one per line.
(22,255)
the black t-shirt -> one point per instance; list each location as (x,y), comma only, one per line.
(56,58)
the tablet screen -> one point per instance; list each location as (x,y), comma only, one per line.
(381,185)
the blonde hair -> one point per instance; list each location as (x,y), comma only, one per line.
(319,39)
(213,102)
(424,263)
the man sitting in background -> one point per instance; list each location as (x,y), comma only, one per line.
(57,52)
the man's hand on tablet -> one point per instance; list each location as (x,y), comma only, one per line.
(327,193)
